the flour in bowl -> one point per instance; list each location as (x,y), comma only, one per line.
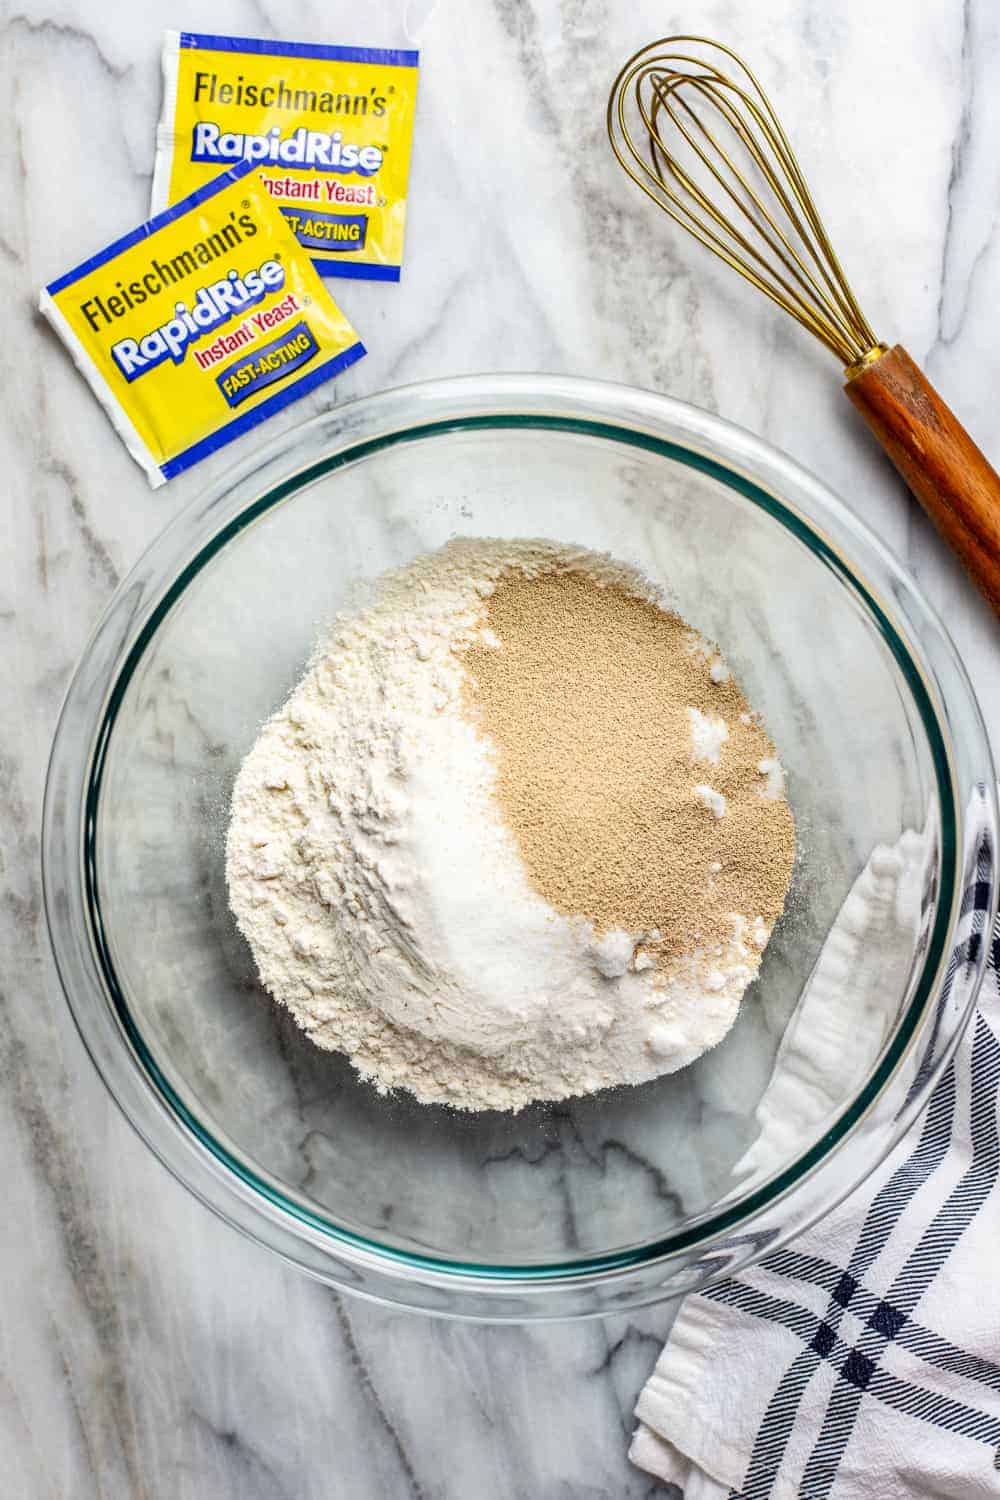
(474,849)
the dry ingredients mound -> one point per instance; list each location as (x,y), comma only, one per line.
(517,835)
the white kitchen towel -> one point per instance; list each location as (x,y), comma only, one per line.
(864,1358)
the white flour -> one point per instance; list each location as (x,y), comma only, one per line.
(385,902)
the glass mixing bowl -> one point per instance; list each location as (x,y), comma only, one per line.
(606,1202)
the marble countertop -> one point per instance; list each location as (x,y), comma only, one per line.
(145,1349)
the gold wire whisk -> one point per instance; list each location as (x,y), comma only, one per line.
(707,147)
(694,129)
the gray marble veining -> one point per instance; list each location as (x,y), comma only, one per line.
(145,1349)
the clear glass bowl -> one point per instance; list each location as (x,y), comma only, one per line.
(607,1202)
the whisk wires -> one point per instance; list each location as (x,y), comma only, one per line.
(706,146)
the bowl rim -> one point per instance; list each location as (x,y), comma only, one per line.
(355,432)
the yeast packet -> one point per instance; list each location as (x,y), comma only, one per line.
(329,127)
(200,323)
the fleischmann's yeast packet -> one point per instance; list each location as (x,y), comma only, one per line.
(329,127)
(201,323)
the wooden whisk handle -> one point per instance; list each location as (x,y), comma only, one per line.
(955,483)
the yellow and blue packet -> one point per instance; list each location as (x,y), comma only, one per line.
(200,323)
(330,129)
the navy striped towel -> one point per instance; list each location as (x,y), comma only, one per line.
(863,1360)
